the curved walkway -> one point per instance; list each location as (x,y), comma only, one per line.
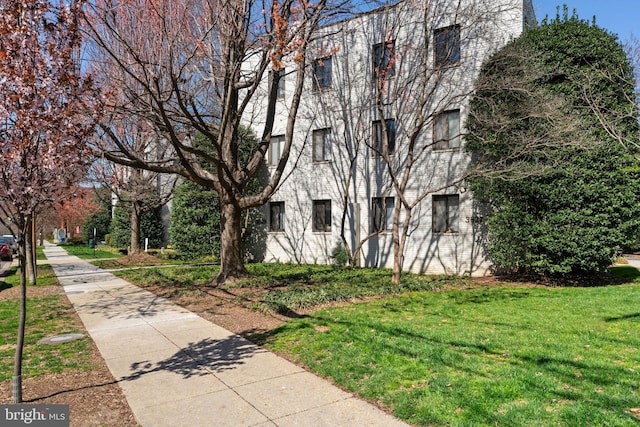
(177,369)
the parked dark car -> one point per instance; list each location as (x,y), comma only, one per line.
(6,254)
(11,241)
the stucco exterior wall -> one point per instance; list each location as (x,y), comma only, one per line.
(354,175)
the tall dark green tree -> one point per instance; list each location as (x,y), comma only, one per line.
(571,204)
(195,221)
(195,212)
(151,227)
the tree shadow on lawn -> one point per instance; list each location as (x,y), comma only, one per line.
(625,317)
(616,275)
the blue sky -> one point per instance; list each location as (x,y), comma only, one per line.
(621,17)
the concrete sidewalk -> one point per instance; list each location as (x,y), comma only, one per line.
(177,369)
(634,260)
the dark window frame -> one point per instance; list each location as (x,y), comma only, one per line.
(378,136)
(446,214)
(276,216)
(324,137)
(380,218)
(449,140)
(383,59)
(280,140)
(447,46)
(322,73)
(321,216)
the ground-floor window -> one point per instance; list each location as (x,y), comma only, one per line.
(322,215)
(382,213)
(276,216)
(445,213)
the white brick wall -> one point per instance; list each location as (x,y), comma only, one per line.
(348,109)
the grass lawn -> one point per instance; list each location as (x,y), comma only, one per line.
(84,252)
(46,316)
(46,277)
(465,355)
(504,355)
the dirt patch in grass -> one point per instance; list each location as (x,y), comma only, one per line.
(32,291)
(141,258)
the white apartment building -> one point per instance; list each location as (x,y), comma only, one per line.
(387,93)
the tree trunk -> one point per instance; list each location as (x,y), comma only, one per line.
(231,253)
(399,241)
(136,214)
(30,253)
(396,276)
(17,366)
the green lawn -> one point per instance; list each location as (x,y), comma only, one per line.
(46,316)
(511,356)
(84,252)
(508,355)
(46,277)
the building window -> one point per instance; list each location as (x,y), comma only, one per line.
(445,213)
(446,130)
(447,46)
(322,215)
(382,213)
(384,61)
(275,149)
(322,145)
(280,75)
(378,136)
(276,216)
(322,73)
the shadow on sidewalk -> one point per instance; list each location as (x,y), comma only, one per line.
(201,358)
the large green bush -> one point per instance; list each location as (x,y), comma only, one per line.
(195,221)
(151,227)
(572,204)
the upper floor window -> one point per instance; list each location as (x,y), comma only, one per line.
(322,73)
(276,216)
(279,75)
(322,145)
(445,213)
(384,61)
(275,149)
(446,130)
(378,136)
(322,215)
(447,46)
(382,213)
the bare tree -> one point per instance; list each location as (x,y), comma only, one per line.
(191,66)
(137,190)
